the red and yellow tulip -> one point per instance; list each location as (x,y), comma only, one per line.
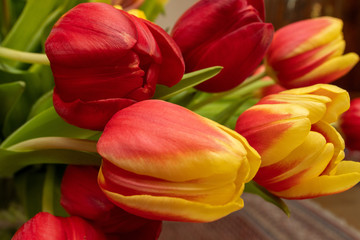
(162,161)
(309,52)
(104,59)
(301,152)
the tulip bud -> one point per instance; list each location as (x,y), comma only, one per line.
(301,152)
(350,125)
(228,33)
(44,226)
(162,161)
(104,59)
(85,199)
(309,52)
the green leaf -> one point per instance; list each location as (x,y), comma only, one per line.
(38,80)
(25,35)
(252,187)
(189,80)
(43,103)
(46,124)
(11,161)
(30,185)
(9,95)
(152,8)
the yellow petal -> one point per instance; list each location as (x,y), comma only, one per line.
(328,34)
(314,103)
(340,100)
(321,186)
(172,208)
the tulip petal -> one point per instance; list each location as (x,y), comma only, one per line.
(213,54)
(172,62)
(156,157)
(91,115)
(170,208)
(330,70)
(310,34)
(314,103)
(280,132)
(302,164)
(347,176)
(340,100)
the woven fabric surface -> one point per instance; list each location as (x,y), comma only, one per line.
(260,220)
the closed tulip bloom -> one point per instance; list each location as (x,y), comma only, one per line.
(162,161)
(350,125)
(302,154)
(228,33)
(86,200)
(104,59)
(44,226)
(309,52)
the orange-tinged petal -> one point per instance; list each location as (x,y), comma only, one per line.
(276,135)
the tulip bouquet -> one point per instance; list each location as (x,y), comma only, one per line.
(111,125)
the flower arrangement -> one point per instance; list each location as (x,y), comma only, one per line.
(110,125)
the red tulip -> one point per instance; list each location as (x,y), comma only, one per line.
(104,59)
(350,125)
(229,33)
(81,196)
(44,226)
(308,52)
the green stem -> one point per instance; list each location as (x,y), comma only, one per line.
(247,86)
(48,190)
(25,57)
(83,145)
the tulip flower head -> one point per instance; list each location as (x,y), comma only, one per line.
(162,161)
(350,125)
(104,59)
(86,200)
(301,152)
(228,33)
(44,226)
(309,52)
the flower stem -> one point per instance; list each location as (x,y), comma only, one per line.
(48,190)
(55,143)
(249,85)
(25,57)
